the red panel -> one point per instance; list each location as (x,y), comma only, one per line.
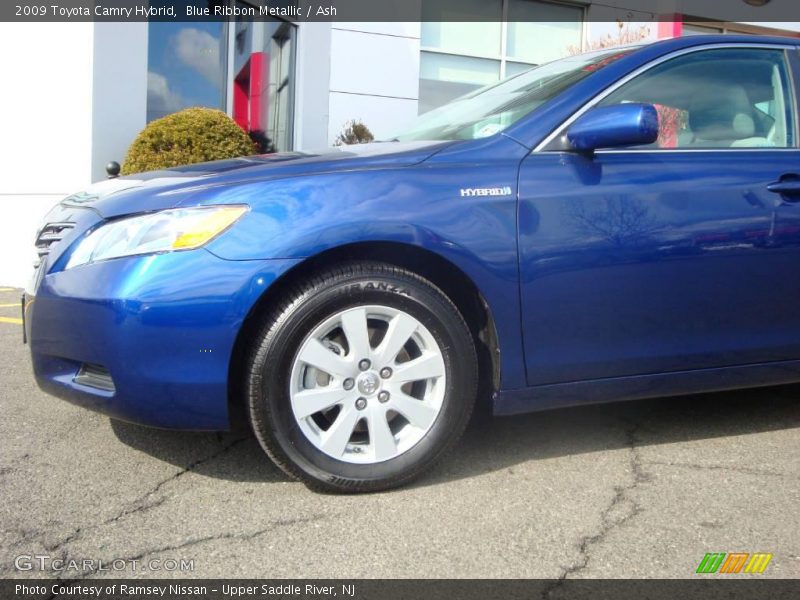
(241,97)
(670,28)
(259,80)
(250,93)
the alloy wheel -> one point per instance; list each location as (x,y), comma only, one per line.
(367,384)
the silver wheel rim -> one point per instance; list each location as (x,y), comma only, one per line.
(367,384)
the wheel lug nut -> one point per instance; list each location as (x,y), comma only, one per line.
(364,364)
(349,383)
(361,403)
(386,372)
(383,396)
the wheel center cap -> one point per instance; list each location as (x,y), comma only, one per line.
(368,383)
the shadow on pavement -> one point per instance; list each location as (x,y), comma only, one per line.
(231,456)
(500,443)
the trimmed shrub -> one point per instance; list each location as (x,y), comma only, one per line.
(189,136)
(354,132)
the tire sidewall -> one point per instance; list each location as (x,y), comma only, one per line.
(426,305)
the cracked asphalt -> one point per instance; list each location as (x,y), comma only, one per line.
(639,489)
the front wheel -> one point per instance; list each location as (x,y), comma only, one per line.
(362,379)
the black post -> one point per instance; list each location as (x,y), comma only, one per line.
(112,169)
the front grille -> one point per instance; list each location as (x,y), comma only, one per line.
(50,234)
(96,376)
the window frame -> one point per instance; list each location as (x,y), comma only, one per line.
(288,29)
(792,60)
(731,28)
(502,56)
(286,33)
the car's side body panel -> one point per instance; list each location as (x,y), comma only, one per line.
(684,261)
(444,208)
(685,258)
(636,387)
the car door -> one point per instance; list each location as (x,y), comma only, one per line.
(680,255)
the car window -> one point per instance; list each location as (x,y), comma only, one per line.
(721,98)
(491,109)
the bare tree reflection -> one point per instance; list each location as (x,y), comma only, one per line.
(620,221)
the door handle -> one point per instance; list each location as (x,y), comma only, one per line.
(787,186)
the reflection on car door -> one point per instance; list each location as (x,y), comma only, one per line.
(678,256)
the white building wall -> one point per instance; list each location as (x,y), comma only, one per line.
(374,76)
(79,97)
(46,150)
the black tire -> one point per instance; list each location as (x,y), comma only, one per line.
(309,304)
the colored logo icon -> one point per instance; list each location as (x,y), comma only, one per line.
(734,562)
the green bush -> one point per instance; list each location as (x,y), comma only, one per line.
(189,136)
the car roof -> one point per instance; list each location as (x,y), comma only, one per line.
(702,40)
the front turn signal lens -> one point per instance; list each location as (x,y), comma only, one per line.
(208,225)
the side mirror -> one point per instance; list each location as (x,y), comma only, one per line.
(614,126)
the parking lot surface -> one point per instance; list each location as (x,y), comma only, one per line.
(638,489)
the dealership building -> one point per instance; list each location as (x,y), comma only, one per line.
(82,91)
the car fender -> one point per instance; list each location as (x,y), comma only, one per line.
(303,217)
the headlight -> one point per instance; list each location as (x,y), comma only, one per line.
(164,231)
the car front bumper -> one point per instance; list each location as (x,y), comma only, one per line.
(146,339)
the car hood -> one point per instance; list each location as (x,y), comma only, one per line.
(170,188)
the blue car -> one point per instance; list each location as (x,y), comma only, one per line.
(615,225)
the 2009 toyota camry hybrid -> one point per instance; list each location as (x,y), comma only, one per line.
(615,225)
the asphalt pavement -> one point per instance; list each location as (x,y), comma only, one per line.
(636,489)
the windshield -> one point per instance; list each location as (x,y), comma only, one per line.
(491,109)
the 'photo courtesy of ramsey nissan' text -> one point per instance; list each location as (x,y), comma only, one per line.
(367,299)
